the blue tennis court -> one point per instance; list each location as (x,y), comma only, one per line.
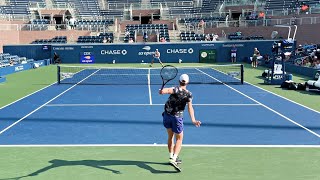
(94,106)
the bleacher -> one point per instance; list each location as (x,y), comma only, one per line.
(7,59)
(93,24)
(85,8)
(280,4)
(192,36)
(55,40)
(96,39)
(209,6)
(162,29)
(112,13)
(198,19)
(39,24)
(18,7)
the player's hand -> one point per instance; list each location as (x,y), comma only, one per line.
(197,123)
(161,91)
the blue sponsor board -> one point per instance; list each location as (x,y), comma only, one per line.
(170,52)
(22,67)
(87,58)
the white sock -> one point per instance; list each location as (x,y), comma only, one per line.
(175,156)
(171,155)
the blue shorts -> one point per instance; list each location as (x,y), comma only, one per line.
(156,58)
(173,122)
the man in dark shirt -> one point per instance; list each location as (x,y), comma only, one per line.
(173,116)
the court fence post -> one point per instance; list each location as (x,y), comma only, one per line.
(58,74)
(242,73)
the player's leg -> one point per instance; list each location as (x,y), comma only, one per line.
(177,128)
(167,123)
(170,142)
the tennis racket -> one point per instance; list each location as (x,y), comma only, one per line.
(168,73)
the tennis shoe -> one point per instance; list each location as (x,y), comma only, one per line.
(175,164)
(178,161)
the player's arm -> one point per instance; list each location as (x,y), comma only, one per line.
(191,113)
(166,91)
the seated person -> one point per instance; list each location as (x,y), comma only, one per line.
(56,58)
(104,40)
(145,37)
(201,24)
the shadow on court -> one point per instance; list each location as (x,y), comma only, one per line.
(140,122)
(99,164)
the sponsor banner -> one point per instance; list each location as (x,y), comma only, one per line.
(22,67)
(87,58)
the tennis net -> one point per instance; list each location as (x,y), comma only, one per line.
(209,74)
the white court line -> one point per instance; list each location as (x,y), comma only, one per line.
(27,95)
(267,107)
(159,145)
(285,98)
(149,87)
(31,93)
(75,105)
(4,130)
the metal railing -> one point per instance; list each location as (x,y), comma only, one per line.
(41,5)
(153,5)
(260,22)
(44,27)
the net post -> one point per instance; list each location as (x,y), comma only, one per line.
(58,74)
(242,73)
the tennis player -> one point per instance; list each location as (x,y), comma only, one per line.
(173,116)
(156,56)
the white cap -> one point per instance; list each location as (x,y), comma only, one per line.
(184,78)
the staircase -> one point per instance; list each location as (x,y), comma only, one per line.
(174,35)
(165,13)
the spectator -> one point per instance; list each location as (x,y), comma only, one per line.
(215,37)
(238,33)
(104,40)
(304,7)
(131,40)
(11,62)
(317,65)
(72,23)
(261,15)
(201,24)
(299,50)
(207,38)
(233,54)
(56,58)
(145,37)
(317,53)
(162,39)
(127,33)
(255,56)
(109,40)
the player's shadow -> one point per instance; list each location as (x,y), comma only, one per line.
(99,164)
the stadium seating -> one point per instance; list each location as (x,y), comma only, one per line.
(93,24)
(7,59)
(205,19)
(85,8)
(192,36)
(209,5)
(55,40)
(18,7)
(95,39)
(162,29)
(280,4)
